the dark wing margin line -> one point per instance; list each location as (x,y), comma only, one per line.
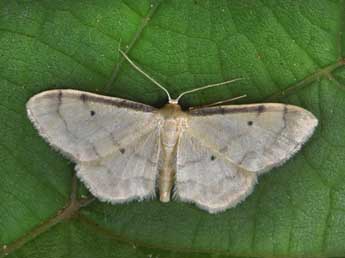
(91,97)
(249,108)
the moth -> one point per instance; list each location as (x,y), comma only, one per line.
(210,156)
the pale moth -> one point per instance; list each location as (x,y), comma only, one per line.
(210,156)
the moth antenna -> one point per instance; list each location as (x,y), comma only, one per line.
(146,75)
(220,102)
(206,87)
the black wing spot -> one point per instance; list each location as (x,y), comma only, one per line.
(92,113)
(213,158)
(122,150)
(250,123)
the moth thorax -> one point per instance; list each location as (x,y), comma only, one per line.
(171,110)
(170,133)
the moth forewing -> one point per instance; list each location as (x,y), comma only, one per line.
(114,142)
(225,148)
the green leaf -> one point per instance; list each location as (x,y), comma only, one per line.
(288,51)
